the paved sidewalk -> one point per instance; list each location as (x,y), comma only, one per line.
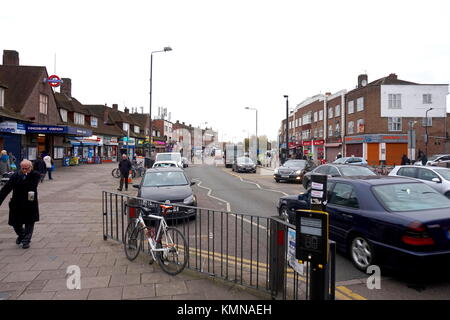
(70,233)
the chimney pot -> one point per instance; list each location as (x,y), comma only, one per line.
(10,58)
(392,76)
(126,110)
(115,107)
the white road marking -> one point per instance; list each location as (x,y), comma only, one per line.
(242,180)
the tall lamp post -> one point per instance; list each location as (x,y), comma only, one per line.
(257,139)
(150,143)
(287,124)
(426,131)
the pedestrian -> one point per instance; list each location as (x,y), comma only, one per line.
(49,165)
(339,155)
(40,167)
(405,160)
(23,206)
(4,163)
(12,161)
(124,168)
(424,159)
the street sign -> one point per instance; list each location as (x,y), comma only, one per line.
(54,81)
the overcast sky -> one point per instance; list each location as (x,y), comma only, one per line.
(227,55)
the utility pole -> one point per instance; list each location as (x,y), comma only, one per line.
(287,128)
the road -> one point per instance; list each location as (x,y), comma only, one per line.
(221,189)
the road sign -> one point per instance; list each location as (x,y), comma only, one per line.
(54,81)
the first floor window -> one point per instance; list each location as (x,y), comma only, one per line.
(338,130)
(79,118)
(395,101)
(351,107)
(337,110)
(360,125)
(351,126)
(395,124)
(360,104)
(2,97)
(43,103)
(320,115)
(427,122)
(94,122)
(63,113)
(330,130)
(136,129)
(321,133)
(330,113)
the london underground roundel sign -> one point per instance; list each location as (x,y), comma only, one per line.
(54,81)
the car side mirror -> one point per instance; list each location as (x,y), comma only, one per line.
(437,180)
(192,183)
(137,186)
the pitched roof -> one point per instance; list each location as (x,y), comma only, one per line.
(390,79)
(70,104)
(21,81)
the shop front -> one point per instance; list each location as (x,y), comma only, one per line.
(140,147)
(319,150)
(160,145)
(11,135)
(87,149)
(127,146)
(110,149)
(332,150)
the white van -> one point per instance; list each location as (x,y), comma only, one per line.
(170,156)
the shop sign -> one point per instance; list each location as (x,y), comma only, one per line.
(377,138)
(318,142)
(36,128)
(79,131)
(54,81)
(12,127)
(307,143)
(92,139)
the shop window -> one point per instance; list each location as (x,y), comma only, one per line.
(43,103)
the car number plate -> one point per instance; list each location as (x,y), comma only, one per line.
(285,176)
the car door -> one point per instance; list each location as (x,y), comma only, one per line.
(342,207)
(427,176)
(407,172)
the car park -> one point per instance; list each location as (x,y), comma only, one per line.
(170,156)
(337,170)
(436,177)
(351,160)
(440,160)
(244,164)
(169,185)
(391,221)
(292,170)
(165,164)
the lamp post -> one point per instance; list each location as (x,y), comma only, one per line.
(287,123)
(150,142)
(257,139)
(426,131)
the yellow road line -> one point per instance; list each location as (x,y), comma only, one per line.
(341,296)
(350,293)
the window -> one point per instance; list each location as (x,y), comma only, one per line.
(307,118)
(79,118)
(351,126)
(315,116)
(337,110)
(330,113)
(425,174)
(125,126)
(2,97)
(43,103)
(360,104)
(344,195)
(427,122)
(322,169)
(63,113)
(395,124)
(360,125)
(350,107)
(407,172)
(330,130)
(136,129)
(316,132)
(338,130)
(321,133)
(94,122)
(395,101)
(426,98)
(320,115)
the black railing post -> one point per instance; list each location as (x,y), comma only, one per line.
(277,263)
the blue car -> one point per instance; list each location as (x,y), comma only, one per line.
(394,221)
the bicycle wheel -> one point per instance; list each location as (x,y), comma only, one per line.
(134,237)
(115,173)
(174,260)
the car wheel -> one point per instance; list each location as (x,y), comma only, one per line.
(447,194)
(361,253)
(284,213)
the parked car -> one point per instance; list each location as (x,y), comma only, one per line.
(395,221)
(170,156)
(351,160)
(436,177)
(441,160)
(337,170)
(244,164)
(169,184)
(293,170)
(165,164)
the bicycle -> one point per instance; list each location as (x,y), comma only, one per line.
(116,173)
(171,255)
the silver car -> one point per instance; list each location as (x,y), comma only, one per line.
(441,160)
(436,177)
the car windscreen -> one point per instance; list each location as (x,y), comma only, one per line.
(244,160)
(165,178)
(445,173)
(295,163)
(356,171)
(168,157)
(164,165)
(410,197)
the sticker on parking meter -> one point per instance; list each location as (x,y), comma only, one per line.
(316,194)
(292,261)
(317,186)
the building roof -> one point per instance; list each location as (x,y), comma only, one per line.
(70,104)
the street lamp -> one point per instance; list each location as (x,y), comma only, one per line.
(426,131)
(150,111)
(257,139)
(287,123)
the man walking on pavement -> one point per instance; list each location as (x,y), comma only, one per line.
(124,168)
(48,164)
(23,206)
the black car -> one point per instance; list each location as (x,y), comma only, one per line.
(293,170)
(244,164)
(392,221)
(169,185)
(337,170)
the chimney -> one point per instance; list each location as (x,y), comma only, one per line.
(362,80)
(106,115)
(66,87)
(392,76)
(327,94)
(126,110)
(115,107)
(10,58)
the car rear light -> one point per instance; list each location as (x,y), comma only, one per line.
(416,235)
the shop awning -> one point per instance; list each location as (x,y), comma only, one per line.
(46,129)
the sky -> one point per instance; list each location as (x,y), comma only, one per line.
(227,55)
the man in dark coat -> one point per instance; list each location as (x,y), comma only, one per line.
(124,168)
(23,206)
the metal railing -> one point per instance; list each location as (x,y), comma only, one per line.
(234,247)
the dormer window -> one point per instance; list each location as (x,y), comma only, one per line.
(2,97)
(79,118)
(94,122)
(126,126)
(136,129)
(63,113)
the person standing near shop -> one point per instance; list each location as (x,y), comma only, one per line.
(49,164)
(23,206)
(124,168)
(4,163)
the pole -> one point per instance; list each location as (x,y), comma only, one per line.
(128,138)
(257,139)
(150,111)
(287,124)
(426,131)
